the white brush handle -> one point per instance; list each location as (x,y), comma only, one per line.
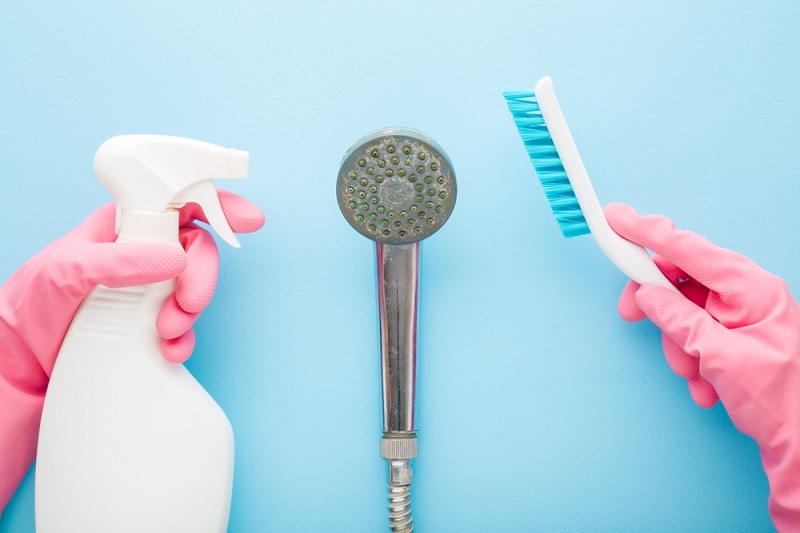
(629,257)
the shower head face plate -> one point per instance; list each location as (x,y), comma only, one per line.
(396,186)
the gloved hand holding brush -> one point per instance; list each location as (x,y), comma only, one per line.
(38,301)
(734,334)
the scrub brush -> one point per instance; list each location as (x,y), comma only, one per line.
(566,183)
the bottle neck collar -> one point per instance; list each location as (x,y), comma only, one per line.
(145,226)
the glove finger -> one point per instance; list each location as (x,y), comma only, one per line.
(173,321)
(723,271)
(679,361)
(97,227)
(118,265)
(690,326)
(179,349)
(243,215)
(688,366)
(197,282)
(626,306)
(702,391)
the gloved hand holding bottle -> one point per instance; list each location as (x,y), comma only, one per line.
(734,334)
(38,301)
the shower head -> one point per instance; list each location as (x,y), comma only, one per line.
(396,186)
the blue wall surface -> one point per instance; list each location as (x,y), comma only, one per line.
(539,408)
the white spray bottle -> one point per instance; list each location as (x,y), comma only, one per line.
(129,442)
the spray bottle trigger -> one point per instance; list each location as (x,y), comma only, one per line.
(205,195)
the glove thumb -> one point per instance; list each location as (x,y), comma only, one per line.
(690,326)
(124,264)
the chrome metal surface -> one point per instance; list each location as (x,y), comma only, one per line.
(400,519)
(399,447)
(398,280)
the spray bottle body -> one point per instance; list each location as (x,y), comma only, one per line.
(129,442)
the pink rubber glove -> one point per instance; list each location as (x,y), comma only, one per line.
(38,301)
(735,335)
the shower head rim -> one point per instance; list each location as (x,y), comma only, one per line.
(401,208)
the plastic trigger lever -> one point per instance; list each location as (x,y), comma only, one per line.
(205,195)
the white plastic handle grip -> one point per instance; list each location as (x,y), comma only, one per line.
(629,257)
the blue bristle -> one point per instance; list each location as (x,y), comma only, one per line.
(539,145)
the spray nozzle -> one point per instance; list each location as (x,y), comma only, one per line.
(156,173)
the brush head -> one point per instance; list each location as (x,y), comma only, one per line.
(396,186)
(542,151)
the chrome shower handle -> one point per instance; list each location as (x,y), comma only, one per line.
(398,281)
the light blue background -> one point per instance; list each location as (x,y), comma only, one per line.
(539,408)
